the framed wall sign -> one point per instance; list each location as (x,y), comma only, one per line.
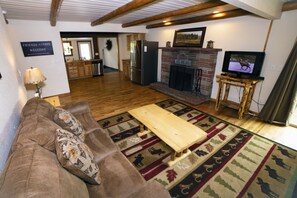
(37,48)
(193,37)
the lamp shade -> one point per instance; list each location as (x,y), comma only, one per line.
(33,76)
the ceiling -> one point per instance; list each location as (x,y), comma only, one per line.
(91,10)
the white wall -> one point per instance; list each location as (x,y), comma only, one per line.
(13,94)
(245,33)
(124,52)
(282,38)
(52,66)
(110,58)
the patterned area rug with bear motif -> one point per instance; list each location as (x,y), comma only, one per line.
(231,162)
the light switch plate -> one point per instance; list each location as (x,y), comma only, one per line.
(145,48)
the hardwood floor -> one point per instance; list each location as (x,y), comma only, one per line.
(112,94)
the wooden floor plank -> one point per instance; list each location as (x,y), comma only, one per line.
(112,94)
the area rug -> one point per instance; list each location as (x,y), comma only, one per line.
(231,162)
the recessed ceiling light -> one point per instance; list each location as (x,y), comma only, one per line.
(164,21)
(167,23)
(215,12)
(219,14)
(4,12)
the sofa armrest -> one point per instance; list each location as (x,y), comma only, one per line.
(78,108)
(151,189)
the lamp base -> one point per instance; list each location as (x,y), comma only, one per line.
(38,91)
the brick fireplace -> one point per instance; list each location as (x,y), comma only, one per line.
(197,58)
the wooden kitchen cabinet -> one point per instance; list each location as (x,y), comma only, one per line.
(126,68)
(79,69)
(72,70)
(88,69)
(134,37)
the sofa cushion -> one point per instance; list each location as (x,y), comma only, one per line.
(68,122)
(118,178)
(38,106)
(151,189)
(87,120)
(76,157)
(35,172)
(100,144)
(36,129)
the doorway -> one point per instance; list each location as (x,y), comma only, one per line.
(85,50)
(109,52)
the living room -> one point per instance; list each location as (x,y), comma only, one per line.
(244,33)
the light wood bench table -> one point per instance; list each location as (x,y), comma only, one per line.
(174,131)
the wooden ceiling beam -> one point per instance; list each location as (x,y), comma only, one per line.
(222,15)
(289,6)
(55,8)
(187,10)
(122,10)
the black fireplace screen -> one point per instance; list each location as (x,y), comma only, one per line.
(183,77)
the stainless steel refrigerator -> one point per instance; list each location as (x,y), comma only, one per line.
(144,61)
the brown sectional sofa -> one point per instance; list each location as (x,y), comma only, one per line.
(33,170)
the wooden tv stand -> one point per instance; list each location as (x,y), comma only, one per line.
(248,85)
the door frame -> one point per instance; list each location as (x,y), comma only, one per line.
(85,41)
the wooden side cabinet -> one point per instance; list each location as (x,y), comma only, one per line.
(248,86)
(54,100)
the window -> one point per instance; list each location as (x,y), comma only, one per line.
(67,47)
(84,50)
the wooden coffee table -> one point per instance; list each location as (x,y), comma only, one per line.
(174,131)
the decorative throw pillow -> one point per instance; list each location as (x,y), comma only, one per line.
(76,157)
(68,122)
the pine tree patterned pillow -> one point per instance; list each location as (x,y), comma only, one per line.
(76,157)
(68,122)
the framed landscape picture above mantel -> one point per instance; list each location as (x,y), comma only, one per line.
(193,37)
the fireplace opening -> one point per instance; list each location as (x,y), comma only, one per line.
(185,78)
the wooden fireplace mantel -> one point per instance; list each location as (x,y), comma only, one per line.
(191,49)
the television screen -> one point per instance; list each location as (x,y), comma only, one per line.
(243,63)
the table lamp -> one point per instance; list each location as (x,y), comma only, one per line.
(34,76)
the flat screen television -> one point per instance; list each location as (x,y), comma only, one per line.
(243,64)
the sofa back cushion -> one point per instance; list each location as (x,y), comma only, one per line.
(38,106)
(35,172)
(36,129)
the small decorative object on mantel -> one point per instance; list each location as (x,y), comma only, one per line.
(168,44)
(210,44)
(108,44)
(193,37)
